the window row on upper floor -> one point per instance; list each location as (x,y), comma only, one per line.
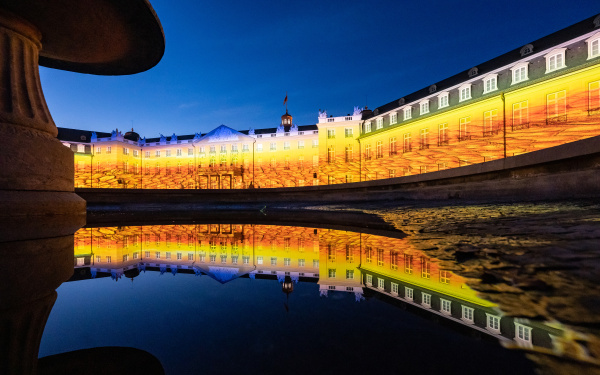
(554,60)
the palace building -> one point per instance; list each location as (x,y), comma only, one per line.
(543,94)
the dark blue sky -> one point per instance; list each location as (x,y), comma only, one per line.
(231,61)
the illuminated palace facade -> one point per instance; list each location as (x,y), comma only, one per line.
(363,265)
(543,94)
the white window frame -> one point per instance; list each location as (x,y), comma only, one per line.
(426,299)
(518,79)
(369,281)
(407,111)
(464,92)
(490,327)
(467,314)
(424,107)
(379,123)
(393,118)
(409,293)
(490,78)
(380,283)
(445,306)
(590,43)
(368,127)
(523,334)
(443,100)
(558,54)
(394,289)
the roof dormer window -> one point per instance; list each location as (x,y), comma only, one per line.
(424,105)
(465,92)
(379,123)
(407,113)
(593,46)
(443,100)
(490,83)
(519,72)
(555,59)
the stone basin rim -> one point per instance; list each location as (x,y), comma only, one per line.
(102,37)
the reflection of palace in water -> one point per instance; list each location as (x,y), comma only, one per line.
(339,261)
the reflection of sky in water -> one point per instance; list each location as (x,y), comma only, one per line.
(195,324)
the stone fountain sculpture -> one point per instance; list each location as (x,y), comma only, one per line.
(106,37)
(39,211)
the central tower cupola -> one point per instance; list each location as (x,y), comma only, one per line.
(286,121)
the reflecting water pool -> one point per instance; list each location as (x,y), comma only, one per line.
(222,298)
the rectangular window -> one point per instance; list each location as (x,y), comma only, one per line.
(394,289)
(380,257)
(348,132)
(190,256)
(168,153)
(380,283)
(300,145)
(519,74)
(425,268)
(98,150)
(301,263)
(348,154)
(443,134)
(467,314)
(393,150)
(490,84)
(522,332)
(331,273)
(445,306)
(286,145)
(443,100)
(331,154)
(520,118)
(393,118)
(273,261)
(273,146)
(556,107)
(349,274)
(369,281)
(287,262)
(493,323)
(349,178)
(465,93)
(259,147)
(425,299)
(135,153)
(368,127)
(424,107)
(408,264)
(125,151)
(555,62)
(464,125)
(424,139)
(178,256)
(108,149)
(330,133)
(368,254)
(315,143)
(445,277)
(379,123)
(379,150)
(147,155)
(179,152)
(406,145)
(409,293)
(245,147)
(368,152)
(594,97)
(490,119)
(407,113)
(594,48)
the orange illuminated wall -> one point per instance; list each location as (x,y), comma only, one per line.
(550,108)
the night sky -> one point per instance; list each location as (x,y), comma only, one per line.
(232,61)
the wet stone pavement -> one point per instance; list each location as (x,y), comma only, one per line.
(539,261)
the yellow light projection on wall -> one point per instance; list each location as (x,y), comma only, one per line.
(525,117)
